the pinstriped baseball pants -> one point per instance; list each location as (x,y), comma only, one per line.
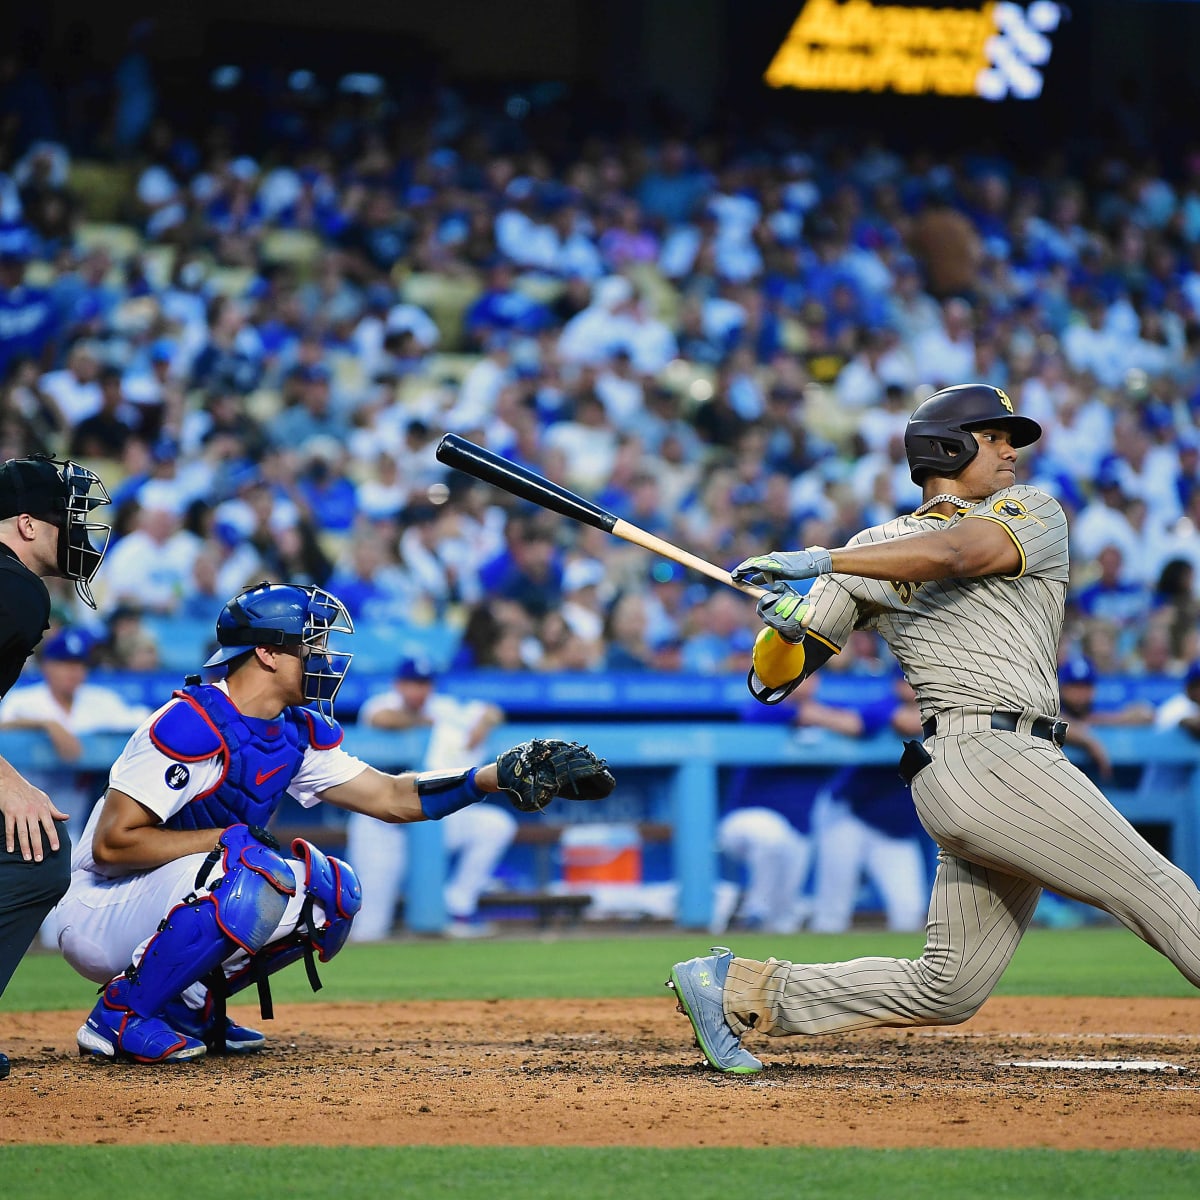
(1011,815)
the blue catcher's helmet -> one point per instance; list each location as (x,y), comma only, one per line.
(284,614)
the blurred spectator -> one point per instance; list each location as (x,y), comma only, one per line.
(774,858)
(30,420)
(107,432)
(75,388)
(153,562)
(1077,690)
(66,707)
(528,570)
(864,822)
(1180,711)
(476,842)
(231,356)
(1110,597)
(625,634)
(135,97)
(369,581)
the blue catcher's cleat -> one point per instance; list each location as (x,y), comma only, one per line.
(114,1030)
(699,986)
(201,1024)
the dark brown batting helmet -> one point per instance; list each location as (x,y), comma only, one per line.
(937,438)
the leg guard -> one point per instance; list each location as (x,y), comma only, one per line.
(243,908)
(333,885)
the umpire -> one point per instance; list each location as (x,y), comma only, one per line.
(45,530)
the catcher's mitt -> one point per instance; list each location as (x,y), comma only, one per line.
(534,772)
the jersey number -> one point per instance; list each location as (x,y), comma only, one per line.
(905,590)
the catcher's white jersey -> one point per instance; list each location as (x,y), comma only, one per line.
(108,915)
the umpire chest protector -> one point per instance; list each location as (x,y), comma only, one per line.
(259,758)
(16,644)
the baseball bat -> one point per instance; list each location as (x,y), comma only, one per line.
(510,477)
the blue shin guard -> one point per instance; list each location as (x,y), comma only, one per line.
(242,909)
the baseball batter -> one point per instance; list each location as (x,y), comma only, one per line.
(968,592)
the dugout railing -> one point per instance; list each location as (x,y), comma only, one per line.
(689,759)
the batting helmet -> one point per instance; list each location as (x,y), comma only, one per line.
(284,614)
(937,438)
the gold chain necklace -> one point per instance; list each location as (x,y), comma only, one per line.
(943,498)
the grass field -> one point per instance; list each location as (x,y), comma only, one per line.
(1104,962)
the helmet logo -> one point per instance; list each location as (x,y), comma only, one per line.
(1003,395)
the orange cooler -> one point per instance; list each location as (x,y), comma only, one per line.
(600,853)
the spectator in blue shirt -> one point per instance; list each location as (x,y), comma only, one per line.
(503,308)
(28,325)
(1112,598)
(331,497)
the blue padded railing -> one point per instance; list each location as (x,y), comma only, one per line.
(691,755)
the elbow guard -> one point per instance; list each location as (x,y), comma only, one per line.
(777,662)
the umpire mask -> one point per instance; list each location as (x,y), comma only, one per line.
(63,494)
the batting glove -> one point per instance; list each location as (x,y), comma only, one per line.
(765,569)
(784,610)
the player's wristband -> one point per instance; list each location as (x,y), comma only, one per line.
(444,792)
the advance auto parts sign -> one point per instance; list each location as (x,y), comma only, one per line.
(993,50)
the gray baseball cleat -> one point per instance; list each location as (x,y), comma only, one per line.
(699,986)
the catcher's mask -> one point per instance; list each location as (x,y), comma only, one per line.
(284,614)
(61,493)
(937,438)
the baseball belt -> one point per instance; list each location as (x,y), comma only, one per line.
(1046,728)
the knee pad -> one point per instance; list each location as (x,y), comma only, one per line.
(251,896)
(334,885)
(329,882)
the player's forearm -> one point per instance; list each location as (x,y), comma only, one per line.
(394,718)
(149,846)
(824,716)
(412,795)
(913,558)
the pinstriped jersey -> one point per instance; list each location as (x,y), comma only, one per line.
(989,642)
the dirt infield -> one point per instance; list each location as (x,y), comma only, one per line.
(624,1072)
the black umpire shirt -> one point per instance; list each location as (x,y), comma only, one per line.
(24,616)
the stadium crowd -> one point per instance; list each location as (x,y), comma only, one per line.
(720,342)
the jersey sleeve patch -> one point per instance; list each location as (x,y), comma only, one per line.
(184,732)
(323,733)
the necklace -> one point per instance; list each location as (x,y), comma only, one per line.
(942,498)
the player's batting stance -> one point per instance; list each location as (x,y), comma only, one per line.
(968,592)
(179,897)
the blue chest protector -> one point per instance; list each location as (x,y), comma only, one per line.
(260,758)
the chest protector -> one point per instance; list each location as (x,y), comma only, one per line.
(259,758)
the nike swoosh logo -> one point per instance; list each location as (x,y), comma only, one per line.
(260,778)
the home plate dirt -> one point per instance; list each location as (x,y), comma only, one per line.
(625,1072)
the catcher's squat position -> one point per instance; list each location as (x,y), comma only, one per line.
(180,898)
(968,592)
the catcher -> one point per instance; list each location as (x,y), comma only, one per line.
(179,897)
